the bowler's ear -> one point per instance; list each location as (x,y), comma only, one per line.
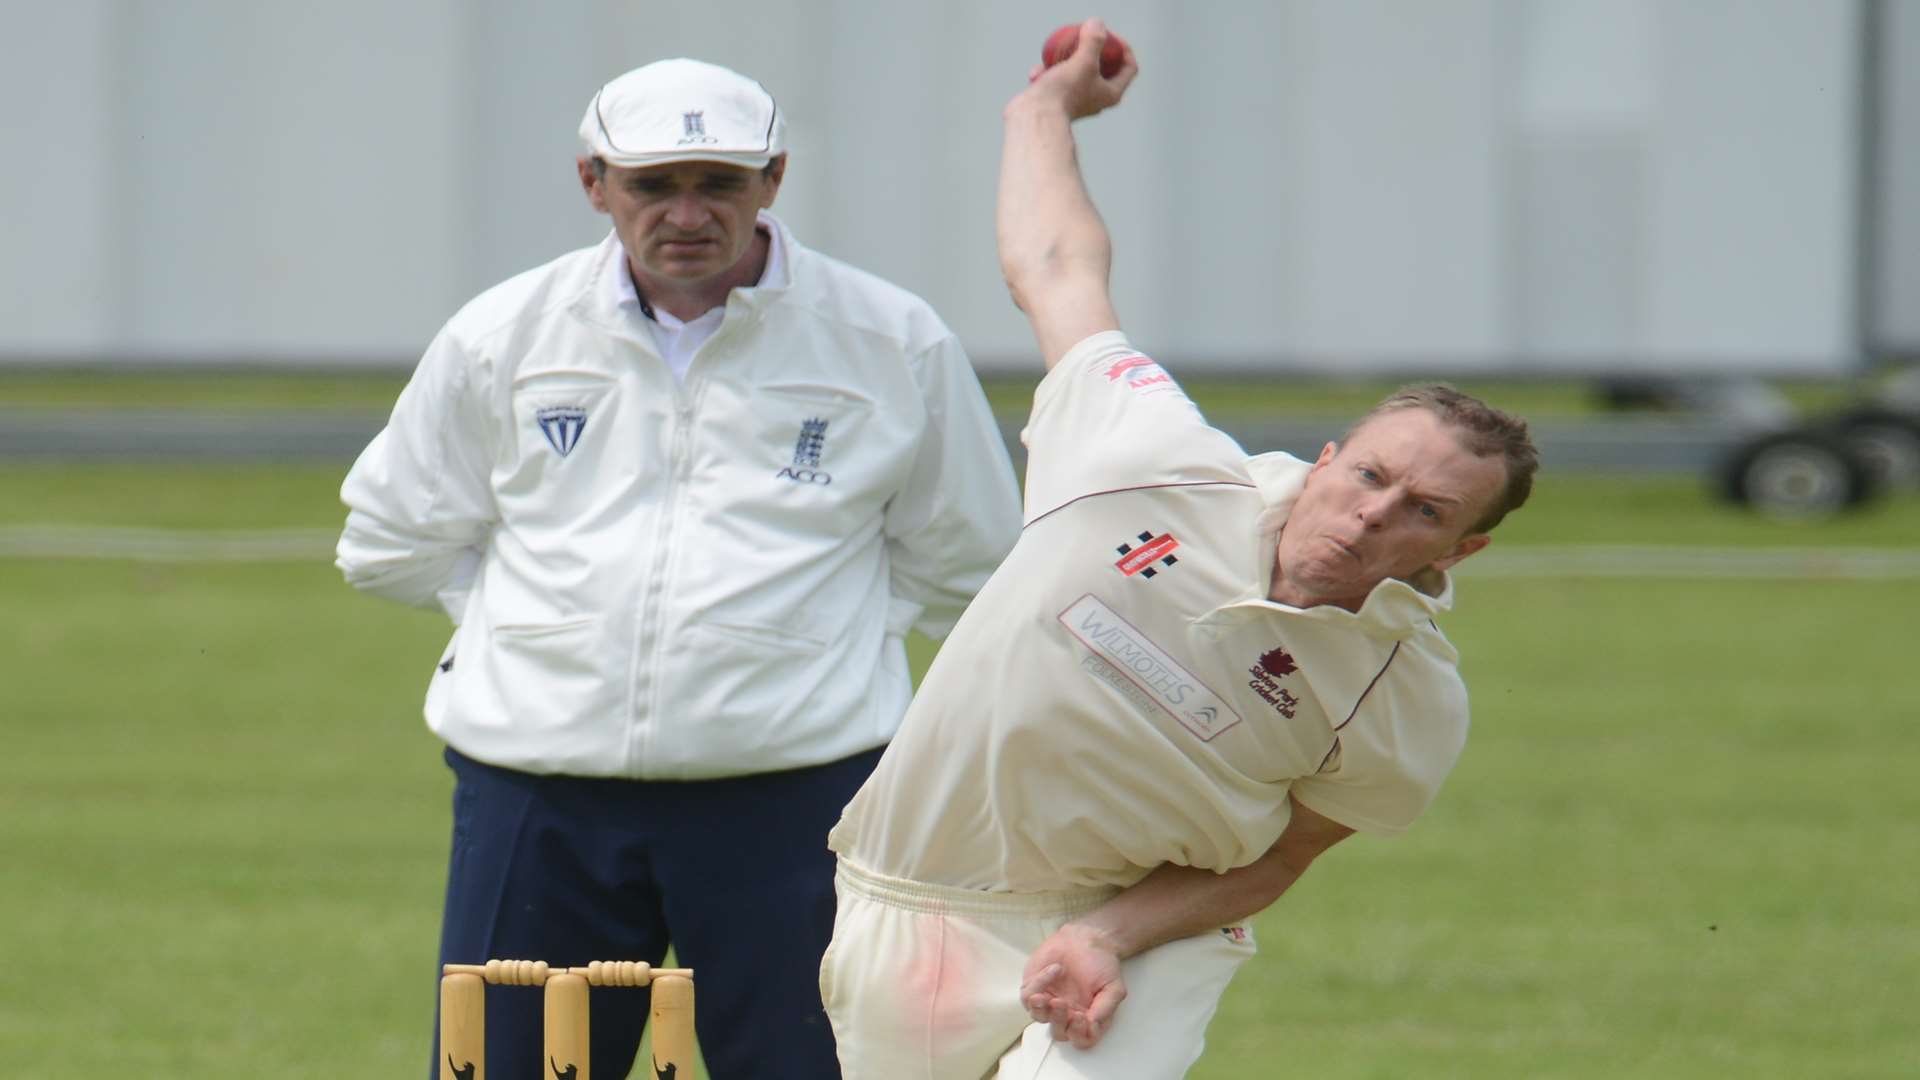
(1468,544)
(591,184)
(1326,455)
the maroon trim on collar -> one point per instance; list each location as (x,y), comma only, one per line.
(1356,705)
(1142,487)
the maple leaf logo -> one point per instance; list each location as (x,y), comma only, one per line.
(1278,663)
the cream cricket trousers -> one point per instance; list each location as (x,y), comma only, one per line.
(922,982)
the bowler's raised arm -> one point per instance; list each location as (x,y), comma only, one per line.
(1054,249)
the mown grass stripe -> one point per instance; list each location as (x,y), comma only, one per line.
(1541,561)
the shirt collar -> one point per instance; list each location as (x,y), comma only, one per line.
(619,292)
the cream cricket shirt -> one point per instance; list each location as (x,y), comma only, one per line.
(1122,694)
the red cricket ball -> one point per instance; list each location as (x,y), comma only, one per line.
(1061,42)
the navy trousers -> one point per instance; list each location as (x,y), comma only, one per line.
(734,874)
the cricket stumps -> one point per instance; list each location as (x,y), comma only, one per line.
(463,1013)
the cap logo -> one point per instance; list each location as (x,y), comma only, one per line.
(695,123)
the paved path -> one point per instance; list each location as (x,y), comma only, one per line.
(1620,444)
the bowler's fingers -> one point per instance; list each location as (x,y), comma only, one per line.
(1129,67)
(1081,1027)
(1042,980)
(1043,1007)
(1098,1018)
(1093,42)
(1037,993)
(1055,1012)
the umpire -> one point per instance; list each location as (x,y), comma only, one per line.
(682,493)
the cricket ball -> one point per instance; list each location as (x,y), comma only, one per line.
(1060,45)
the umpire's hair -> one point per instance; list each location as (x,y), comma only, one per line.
(1482,429)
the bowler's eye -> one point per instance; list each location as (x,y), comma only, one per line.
(721,186)
(1427,510)
(1369,475)
(648,187)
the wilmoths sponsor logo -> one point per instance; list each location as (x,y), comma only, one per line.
(1122,685)
(1148,667)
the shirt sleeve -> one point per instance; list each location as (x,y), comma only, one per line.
(958,513)
(419,502)
(1394,755)
(1107,418)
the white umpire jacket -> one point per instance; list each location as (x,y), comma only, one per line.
(658,580)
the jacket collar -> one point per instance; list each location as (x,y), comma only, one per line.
(614,300)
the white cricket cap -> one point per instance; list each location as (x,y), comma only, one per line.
(683,110)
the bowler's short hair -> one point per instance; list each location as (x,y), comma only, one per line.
(1484,430)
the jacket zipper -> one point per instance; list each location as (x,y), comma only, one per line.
(652,643)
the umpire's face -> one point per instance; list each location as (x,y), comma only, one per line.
(685,223)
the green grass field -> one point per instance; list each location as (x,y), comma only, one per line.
(1681,843)
(1010,394)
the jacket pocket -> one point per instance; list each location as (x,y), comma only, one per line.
(815,436)
(557,414)
(550,676)
(766,634)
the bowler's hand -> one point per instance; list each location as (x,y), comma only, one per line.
(1075,83)
(1073,983)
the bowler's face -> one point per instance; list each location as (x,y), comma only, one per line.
(689,222)
(1397,498)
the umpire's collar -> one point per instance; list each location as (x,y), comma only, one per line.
(618,291)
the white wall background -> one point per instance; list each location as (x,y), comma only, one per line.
(1354,184)
(1894,270)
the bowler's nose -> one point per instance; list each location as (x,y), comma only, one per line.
(1373,509)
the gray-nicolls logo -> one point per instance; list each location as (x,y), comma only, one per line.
(695,124)
(806,454)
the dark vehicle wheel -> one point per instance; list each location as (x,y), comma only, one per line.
(1798,475)
(1889,443)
